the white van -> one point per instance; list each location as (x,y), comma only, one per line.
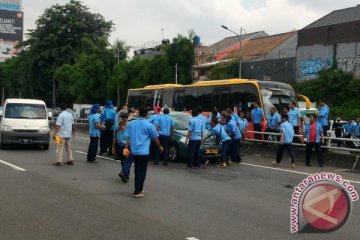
(24,121)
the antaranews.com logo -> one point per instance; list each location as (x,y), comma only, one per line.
(321,203)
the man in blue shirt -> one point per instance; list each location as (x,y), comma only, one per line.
(94,132)
(273,122)
(357,128)
(286,139)
(323,116)
(313,132)
(193,140)
(140,133)
(243,124)
(349,129)
(257,117)
(219,132)
(234,132)
(214,113)
(295,119)
(165,127)
(64,129)
(108,119)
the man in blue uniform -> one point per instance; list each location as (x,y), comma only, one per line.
(273,122)
(140,133)
(108,119)
(94,132)
(257,116)
(193,139)
(323,116)
(165,127)
(286,139)
(234,132)
(295,119)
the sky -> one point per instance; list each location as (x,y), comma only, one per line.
(141,22)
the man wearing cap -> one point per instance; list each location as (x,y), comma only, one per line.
(108,119)
(323,116)
(94,132)
(165,128)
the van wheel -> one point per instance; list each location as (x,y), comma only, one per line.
(46,146)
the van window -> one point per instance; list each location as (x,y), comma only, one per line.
(24,110)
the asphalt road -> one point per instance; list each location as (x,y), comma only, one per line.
(89,201)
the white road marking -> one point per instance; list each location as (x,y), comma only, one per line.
(285,170)
(85,138)
(13,166)
(191,238)
(99,156)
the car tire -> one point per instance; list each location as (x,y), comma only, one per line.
(174,153)
(46,146)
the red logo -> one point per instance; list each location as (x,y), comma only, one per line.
(326,207)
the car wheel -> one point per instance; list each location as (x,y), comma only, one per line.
(174,154)
(46,146)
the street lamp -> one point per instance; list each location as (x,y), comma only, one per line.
(239,35)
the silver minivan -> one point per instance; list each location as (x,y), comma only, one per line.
(24,122)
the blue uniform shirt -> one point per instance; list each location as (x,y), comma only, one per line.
(319,130)
(121,136)
(108,113)
(208,119)
(349,129)
(154,119)
(273,120)
(220,132)
(165,123)
(257,114)
(235,117)
(243,123)
(357,129)
(196,128)
(140,133)
(203,119)
(93,120)
(233,130)
(288,131)
(323,115)
(294,115)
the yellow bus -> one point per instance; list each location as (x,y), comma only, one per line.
(222,94)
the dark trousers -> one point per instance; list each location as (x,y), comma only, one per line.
(126,162)
(93,148)
(235,150)
(165,142)
(280,152)
(275,137)
(225,150)
(141,162)
(257,128)
(309,147)
(296,132)
(106,141)
(194,153)
(325,129)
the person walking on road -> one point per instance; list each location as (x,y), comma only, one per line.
(165,128)
(108,119)
(94,132)
(119,142)
(323,116)
(286,139)
(140,133)
(193,140)
(313,132)
(257,117)
(64,130)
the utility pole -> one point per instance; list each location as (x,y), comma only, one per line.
(118,85)
(176,74)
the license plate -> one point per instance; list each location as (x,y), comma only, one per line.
(25,140)
(211,151)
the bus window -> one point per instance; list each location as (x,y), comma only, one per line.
(178,100)
(242,97)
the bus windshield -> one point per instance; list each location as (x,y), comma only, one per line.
(277,98)
(25,111)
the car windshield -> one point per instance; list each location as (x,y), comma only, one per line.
(26,111)
(181,121)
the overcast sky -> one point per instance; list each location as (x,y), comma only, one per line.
(140,21)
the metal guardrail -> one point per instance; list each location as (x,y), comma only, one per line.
(78,121)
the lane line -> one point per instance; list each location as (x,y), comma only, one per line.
(84,153)
(285,170)
(13,166)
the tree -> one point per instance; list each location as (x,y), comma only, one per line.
(57,43)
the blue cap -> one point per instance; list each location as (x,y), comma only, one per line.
(108,103)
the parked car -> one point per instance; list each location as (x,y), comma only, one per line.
(178,149)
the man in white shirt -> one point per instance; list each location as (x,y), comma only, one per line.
(64,130)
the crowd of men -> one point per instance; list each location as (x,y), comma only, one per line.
(131,140)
